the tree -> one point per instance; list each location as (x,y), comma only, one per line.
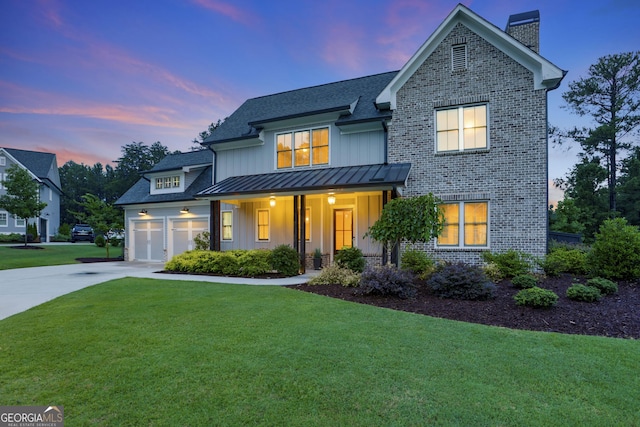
(103,217)
(566,217)
(585,187)
(629,188)
(136,157)
(610,94)
(197,142)
(22,199)
(415,219)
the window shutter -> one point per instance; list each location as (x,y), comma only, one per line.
(459,57)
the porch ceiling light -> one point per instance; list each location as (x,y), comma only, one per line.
(142,212)
(331,199)
(272,201)
(184,210)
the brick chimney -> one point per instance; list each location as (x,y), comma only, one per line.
(525,27)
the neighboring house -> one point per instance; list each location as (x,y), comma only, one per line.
(162,215)
(43,167)
(465,119)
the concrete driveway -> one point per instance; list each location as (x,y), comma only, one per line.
(23,288)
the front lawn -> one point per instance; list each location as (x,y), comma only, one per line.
(50,254)
(161,352)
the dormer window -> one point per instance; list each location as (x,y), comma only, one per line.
(308,147)
(168,182)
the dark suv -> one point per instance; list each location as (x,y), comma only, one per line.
(82,232)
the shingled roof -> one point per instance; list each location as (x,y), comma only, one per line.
(140,191)
(248,119)
(43,165)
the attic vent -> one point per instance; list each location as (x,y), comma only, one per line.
(459,57)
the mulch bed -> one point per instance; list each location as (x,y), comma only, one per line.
(615,315)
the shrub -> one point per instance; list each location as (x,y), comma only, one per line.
(387,280)
(461,281)
(510,263)
(606,287)
(61,238)
(336,275)
(615,254)
(536,297)
(284,259)
(565,260)
(492,271)
(579,292)
(350,258)
(417,262)
(12,238)
(64,230)
(114,241)
(100,241)
(524,281)
(255,262)
(202,241)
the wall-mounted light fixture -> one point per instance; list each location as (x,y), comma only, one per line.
(331,199)
(272,201)
(184,210)
(142,212)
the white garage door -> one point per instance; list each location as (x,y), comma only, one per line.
(148,240)
(183,231)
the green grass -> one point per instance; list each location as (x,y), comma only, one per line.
(51,255)
(160,352)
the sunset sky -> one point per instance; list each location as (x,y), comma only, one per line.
(83,78)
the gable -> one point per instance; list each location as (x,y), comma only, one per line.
(545,74)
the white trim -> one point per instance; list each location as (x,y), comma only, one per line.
(222,211)
(293,131)
(268,239)
(545,74)
(461,225)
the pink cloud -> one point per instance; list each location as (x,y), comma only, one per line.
(228,10)
(344,47)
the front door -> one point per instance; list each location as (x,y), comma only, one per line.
(343,229)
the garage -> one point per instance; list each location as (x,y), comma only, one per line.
(148,240)
(183,231)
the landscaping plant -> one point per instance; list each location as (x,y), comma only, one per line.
(387,280)
(580,292)
(605,286)
(524,281)
(351,258)
(336,275)
(461,281)
(536,297)
(417,262)
(284,259)
(511,263)
(615,254)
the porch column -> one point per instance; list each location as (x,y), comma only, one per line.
(214,225)
(396,249)
(295,224)
(385,196)
(303,241)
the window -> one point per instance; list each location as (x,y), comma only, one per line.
(50,194)
(263,224)
(168,182)
(3,161)
(20,222)
(4,219)
(302,148)
(227,225)
(462,128)
(465,224)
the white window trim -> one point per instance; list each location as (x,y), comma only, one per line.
(268,239)
(22,220)
(153,184)
(6,219)
(3,161)
(293,151)
(222,239)
(461,246)
(460,109)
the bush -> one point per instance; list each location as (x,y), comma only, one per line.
(418,263)
(387,280)
(492,271)
(536,297)
(202,241)
(12,238)
(100,241)
(284,259)
(336,275)
(606,287)
(615,254)
(114,241)
(350,258)
(524,281)
(579,292)
(511,263)
(565,260)
(61,238)
(255,262)
(461,281)
(64,230)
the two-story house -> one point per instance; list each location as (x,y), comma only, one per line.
(465,119)
(43,167)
